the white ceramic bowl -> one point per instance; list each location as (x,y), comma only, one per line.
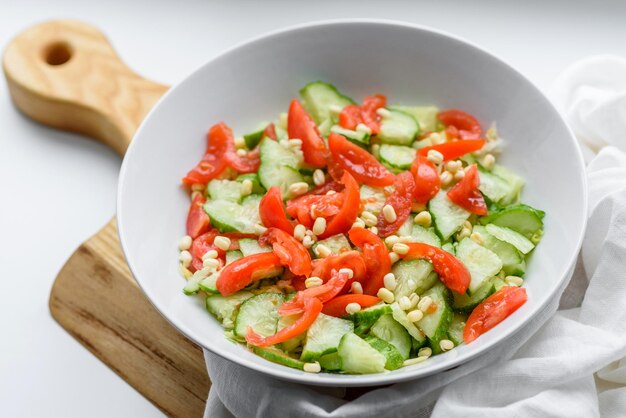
(411,65)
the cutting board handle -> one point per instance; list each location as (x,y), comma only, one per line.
(65,74)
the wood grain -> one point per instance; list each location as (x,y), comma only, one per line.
(66,75)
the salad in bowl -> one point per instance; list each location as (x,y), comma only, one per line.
(356,238)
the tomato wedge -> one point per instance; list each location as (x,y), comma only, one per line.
(324,267)
(301,126)
(466,125)
(249,163)
(455,149)
(240,273)
(348,213)
(219,141)
(337,306)
(466,194)
(493,310)
(272,211)
(310,206)
(452,272)
(427,181)
(325,292)
(270,131)
(289,250)
(376,258)
(312,308)
(204,243)
(198,221)
(361,164)
(352,115)
(400,200)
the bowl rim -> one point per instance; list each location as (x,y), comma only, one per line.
(327,379)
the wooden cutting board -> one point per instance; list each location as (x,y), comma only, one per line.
(65,74)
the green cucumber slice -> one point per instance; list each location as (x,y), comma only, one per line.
(481,263)
(319,97)
(324,335)
(388,329)
(224,190)
(253,138)
(448,217)
(397,156)
(279,175)
(520,218)
(277,356)
(457,325)
(330,362)
(435,325)
(208,285)
(523,244)
(225,308)
(510,257)
(425,235)
(515,182)
(412,276)
(295,342)
(365,318)
(260,313)
(426,116)
(256,183)
(357,356)
(360,138)
(232,217)
(336,244)
(398,128)
(249,246)
(391,353)
(233,255)
(401,317)
(466,303)
(492,186)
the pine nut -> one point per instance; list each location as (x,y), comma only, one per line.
(374,230)
(424,218)
(488,161)
(382,112)
(514,280)
(312,367)
(389,213)
(356,288)
(319,226)
(415,315)
(259,229)
(446,345)
(446,178)
(391,239)
(358,223)
(185,243)
(352,308)
(318,177)
(414,298)
(453,166)
(404,303)
(347,271)
(390,281)
(405,239)
(477,238)
(458,176)
(369,218)
(361,127)
(209,254)
(313,282)
(246,187)
(298,188)
(212,263)
(185,258)
(307,241)
(322,251)
(298,232)
(385,295)
(393,257)
(240,142)
(425,351)
(223,243)
(424,303)
(400,248)
(415,360)
(434,156)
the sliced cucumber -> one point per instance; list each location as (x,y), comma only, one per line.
(510,257)
(208,285)
(448,216)
(324,335)
(457,325)
(449,247)
(260,313)
(388,329)
(523,244)
(401,317)
(373,199)
(406,228)
(250,246)
(425,235)
(253,138)
(232,217)
(412,276)
(336,244)
(295,342)
(398,128)
(365,318)
(233,255)
(426,116)
(225,190)
(277,356)
(360,138)
(520,218)
(466,303)
(281,176)
(516,183)
(330,362)
(225,308)
(256,183)
(481,263)
(273,153)
(319,97)
(435,325)
(193,283)
(391,353)
(279,166)
(397,156)
(325,127)
(492,186)
(357,356)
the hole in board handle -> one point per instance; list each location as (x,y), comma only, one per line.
(58,53)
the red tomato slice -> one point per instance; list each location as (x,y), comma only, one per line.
(324,267)
(465,124)
(337,306)
(454,150)
(219,142)
(310,206)
(348,213)
(325,292)
(312,308)
(352,115)
(400,200)
(493,310)
(466,194)
(203,243)
(376,258)
(452,272)
(301,126)
(240,273)
(358,162)
(270,131)
(197,220)
(248,163)
(290,251)
(427,182)
(272,211)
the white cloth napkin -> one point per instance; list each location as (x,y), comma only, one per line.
(547,369)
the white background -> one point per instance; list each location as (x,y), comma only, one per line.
(58,189)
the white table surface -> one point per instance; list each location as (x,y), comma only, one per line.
(58,189)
